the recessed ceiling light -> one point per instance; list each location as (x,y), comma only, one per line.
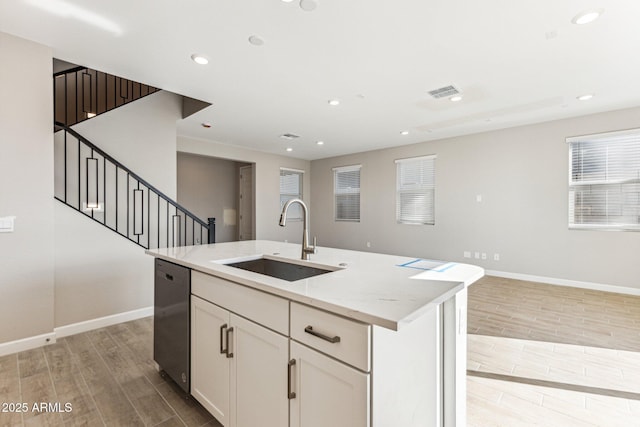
(404,132)
(334,102)
(320,142)
(455,98)
(587,16)
(289,149)
(308,5)
(199,59)
(256,40)
(585,97)
(206,125)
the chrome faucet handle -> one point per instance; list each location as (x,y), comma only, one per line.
(315,244)
(310,249)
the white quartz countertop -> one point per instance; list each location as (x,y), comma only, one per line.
(373,288)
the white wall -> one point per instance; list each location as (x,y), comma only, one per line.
(26,189)
(208,186)
(267,184)
(522,176)
(142,136)
(97,272)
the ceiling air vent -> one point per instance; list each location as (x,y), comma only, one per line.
(289,136)
(444,92)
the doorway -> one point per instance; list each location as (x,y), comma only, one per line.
(209,188)
(246,229)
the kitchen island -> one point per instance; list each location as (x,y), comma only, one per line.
(377,340)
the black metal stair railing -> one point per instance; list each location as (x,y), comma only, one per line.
(97,185)
(82,93)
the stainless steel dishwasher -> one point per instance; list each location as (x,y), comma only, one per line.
(171,333)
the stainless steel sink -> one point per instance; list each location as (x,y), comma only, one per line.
(280,269)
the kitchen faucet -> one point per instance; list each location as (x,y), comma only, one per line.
(306,249)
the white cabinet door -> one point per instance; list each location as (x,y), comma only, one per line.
(328,393)
(258,376)
(209,363)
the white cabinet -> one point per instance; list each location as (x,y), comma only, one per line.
(357,375)
(344,339)
(261,360)
(327,392)
(209,364)
(238,368)
(258,376)
(331,389)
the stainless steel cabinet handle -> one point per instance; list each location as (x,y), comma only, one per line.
(229,352)
(290,394)
(168,276)
(222,349)
(332,340)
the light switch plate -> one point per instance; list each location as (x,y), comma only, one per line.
(6,224)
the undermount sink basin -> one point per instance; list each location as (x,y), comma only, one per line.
(280,269)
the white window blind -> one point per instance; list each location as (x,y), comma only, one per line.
(604,181)
(346,190)
(415,190)
(291,188)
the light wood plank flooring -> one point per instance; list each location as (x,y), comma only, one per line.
(107,376)
(551,355)
(537,311)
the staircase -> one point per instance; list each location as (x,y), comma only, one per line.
(102,188)
(82,93)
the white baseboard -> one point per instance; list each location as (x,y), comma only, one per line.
(101,322)
(72,329)
(565,282)
(27,343)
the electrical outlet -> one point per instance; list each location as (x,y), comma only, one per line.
(477,255)
(467,254)
(368,244)
(496,257)
(484,255)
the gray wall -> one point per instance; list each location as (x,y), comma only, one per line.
(207,186)
(26,171)
(522,176)
(267,184)
(97,272)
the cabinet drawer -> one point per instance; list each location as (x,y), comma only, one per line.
(344,339)
(260,307)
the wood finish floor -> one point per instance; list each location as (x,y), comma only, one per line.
(552,356)
(537,311)
(107,376)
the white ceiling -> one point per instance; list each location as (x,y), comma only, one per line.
(516,62)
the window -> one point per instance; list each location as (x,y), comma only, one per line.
(415,190)
(291,188)
(346,191)
(604,181)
